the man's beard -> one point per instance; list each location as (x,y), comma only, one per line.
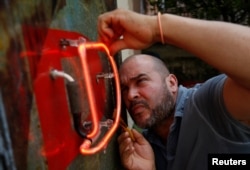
(160,112)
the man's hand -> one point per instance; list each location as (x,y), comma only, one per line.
(121,29)
(137,155)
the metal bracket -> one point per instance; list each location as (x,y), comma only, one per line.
(71,42)
(107,123)
(104,76)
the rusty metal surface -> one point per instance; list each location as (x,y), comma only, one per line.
(27,22)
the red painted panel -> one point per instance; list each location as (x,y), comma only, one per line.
(61,142)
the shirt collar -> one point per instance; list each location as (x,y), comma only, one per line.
(181,96)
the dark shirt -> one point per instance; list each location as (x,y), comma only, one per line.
(201,126)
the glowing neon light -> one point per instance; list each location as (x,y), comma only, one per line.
(85,148)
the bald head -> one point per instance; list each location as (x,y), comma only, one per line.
(148,60)
(148,90)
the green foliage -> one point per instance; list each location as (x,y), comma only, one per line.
(236,11)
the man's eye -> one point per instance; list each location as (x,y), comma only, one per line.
(141,80)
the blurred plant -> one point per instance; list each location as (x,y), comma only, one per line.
(236,11)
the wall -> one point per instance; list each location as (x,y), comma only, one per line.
(24,29)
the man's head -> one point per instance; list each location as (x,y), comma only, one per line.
(148,89)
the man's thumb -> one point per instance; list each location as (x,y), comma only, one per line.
(117,46)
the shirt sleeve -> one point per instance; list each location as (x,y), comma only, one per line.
(210,105)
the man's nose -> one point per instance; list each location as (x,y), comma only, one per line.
(132,93)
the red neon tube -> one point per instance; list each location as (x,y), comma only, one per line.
(85,148)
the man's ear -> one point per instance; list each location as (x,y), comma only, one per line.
(172,83)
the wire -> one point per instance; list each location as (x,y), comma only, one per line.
(55,73)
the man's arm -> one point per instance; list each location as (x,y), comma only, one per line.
(223,45)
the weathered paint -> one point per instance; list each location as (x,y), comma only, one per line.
(24,30)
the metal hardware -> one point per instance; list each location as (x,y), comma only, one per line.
(74,99)
(104,76)
(56,73)
(70,42)
(107,123)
